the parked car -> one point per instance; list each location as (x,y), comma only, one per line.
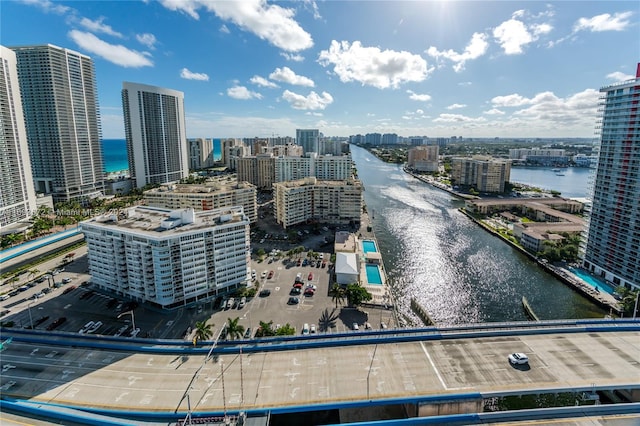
(355,326)
(310,276)
(298,285)
(56,323)
(69,289)
(247,334)
(243,301)
(295,290)
(270,275)
(518,358)
(66,280)
(309,291)
(231,303)
(264,293)
(312,329)
(293,301)
(305,329)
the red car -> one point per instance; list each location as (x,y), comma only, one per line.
(270,275)
(297,285)
(309,291)
(310,277)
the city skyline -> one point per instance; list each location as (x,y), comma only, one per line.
(471,69)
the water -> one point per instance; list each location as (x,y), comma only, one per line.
(457,271)
(592,281)
(114,153)
(373,274)
(573,184)
(369,246)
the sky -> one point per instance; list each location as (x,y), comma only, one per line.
(416,68)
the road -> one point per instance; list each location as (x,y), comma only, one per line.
(131,381)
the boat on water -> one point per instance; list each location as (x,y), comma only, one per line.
(559,174)
(555,170)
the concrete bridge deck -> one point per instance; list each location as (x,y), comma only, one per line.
(120,380)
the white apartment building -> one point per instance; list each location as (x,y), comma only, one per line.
(323,201)
(200,153)
(154,125)
(258,170)
(169,258)
(289,150)
(213,194)
(60,105)
(17,197)
(323,167)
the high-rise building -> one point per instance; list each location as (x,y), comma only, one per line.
(168,258)
(200,153)
(483,173)
(154,126)
(423,158)
(308,139)
(60,102)
(17,197)
(613,238)
(258,170)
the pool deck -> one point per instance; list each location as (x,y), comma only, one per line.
(380,292)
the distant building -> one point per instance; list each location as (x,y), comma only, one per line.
(416,141)
(613,237)
(168,258)
(373,139)
(323,167)
(582,160)
(323,201)
(539,156)
(423,158)
(308,139)
(215,193)
(225,150)
(485,174)
(289,150)
(60,104)
(389,139)
(258,170)
(200,153)
(154,125)
(17,197)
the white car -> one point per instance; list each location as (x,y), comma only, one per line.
(355,326)
(518,358)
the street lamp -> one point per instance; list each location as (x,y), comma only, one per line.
(30,318)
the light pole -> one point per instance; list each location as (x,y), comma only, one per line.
(635,307)
(30,318)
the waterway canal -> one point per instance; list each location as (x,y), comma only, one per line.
(456,270)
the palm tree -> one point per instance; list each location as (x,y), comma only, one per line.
(337,294)
(33,272)
(203,331)
(234,330)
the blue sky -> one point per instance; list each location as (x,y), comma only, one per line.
(256,68)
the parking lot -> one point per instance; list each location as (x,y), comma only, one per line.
(76,305)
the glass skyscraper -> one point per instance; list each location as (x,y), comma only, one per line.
(17,196)
(60,102)
(154,125)
(613,239)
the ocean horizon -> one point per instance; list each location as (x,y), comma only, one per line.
(114,154)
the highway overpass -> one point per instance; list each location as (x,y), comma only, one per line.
(439,370)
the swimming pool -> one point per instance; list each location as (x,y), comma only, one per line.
(591,280)
(373,275)
(369,246)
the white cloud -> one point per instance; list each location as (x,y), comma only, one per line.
(418,97)
(456,106)
(315,114)
(512,36)
(292,57)
(372,66)
(286,75)
(313,101)
(539,29)
(477,47)
(269,22)
(147,39)
(241,92)
(620,76)
(458,118)
(263,82)
(98,27)
(48,6)
(605,22)
(224,29)
(114,53)
(310,4)
(465,83)
(494,111)
(188,75)
(513,100)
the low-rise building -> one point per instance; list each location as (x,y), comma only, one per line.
(323,201)
(347,268)
(215,193)
(168,258)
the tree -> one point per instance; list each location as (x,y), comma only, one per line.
(234,330)
(203,331)
(337,294)
(265,329)
(286,330)
(33,272)
(356,294)
(627,299)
